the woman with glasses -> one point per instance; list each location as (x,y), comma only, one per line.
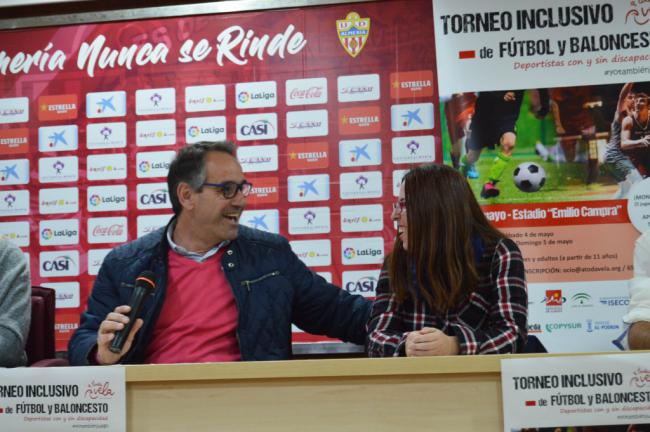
(453,284)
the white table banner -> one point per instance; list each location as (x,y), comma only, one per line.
(63,399)
(576,391)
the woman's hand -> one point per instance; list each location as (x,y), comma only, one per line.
(430,341)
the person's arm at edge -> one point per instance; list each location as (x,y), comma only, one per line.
(15,306)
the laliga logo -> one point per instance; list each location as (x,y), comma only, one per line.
(106,132)
(144,166)
(95,200)
(155,98)
(10,200)
(244,97)
(413,146)
(47,234)
(349,253)
(193,131)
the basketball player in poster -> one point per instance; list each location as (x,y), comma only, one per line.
(635,135)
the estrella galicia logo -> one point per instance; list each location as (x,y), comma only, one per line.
(349,253)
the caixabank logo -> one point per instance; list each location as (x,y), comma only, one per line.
(263,220)
(106,104)
(308,188)
(58,138)
(14,172)
(354,153)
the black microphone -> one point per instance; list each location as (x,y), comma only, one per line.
(144,285)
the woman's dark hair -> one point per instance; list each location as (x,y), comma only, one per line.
(443,217)
(189,167)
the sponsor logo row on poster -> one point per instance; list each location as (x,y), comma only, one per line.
(249,127)
(578,308)
(260,158)
(264,94)
(300,188)
(301,221)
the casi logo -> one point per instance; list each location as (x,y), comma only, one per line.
(259,127)
(158,196)
(60,263)
(349,253)
(47,234)
(363,285)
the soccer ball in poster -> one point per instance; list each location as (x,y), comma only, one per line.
(529,177)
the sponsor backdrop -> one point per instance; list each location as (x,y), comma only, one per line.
(329,106)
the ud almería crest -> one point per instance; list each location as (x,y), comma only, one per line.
(353,33)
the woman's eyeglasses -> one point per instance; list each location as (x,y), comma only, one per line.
(399,206)
(229,189)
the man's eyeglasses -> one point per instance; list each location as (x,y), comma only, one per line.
(399,206)
(229,189)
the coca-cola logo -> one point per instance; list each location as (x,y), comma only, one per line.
(313,92)
(108,231)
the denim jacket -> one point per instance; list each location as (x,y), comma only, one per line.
(272,289)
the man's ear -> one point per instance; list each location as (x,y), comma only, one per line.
(185,195)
